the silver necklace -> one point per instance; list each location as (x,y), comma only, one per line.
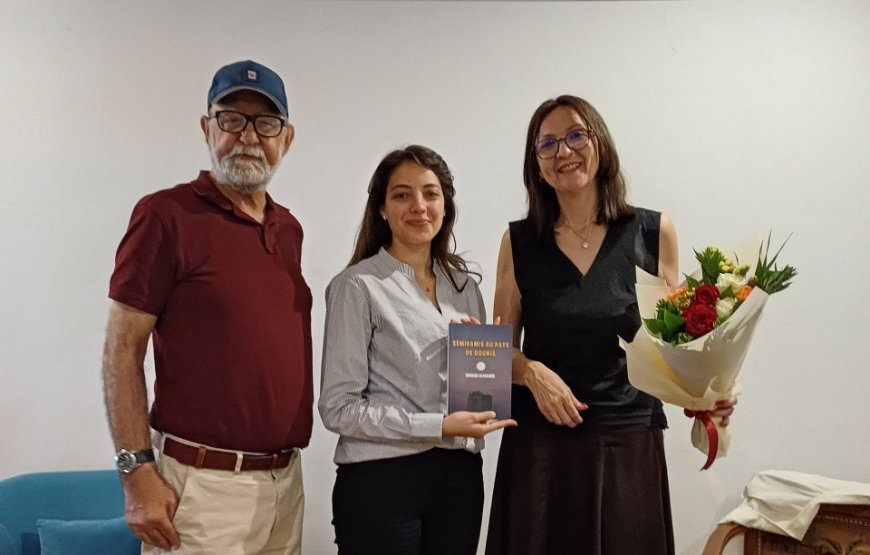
(584,240)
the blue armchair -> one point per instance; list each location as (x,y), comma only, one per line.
(64,512)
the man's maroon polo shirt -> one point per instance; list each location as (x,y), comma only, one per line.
(232,342)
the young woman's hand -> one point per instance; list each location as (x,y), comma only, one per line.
(472,424)
(473,320)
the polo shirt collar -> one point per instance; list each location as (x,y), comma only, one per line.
(204,186)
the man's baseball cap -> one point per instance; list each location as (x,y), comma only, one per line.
(249,76)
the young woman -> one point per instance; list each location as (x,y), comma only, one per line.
(409,478)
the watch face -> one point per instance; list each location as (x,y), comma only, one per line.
(125,461)
(128,461)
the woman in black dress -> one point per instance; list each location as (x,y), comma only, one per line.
(584,472)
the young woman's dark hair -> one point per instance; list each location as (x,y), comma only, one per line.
(374,231)
(543,205)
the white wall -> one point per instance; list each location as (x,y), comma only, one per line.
(731,117)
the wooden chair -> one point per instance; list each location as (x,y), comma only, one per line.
(836,530)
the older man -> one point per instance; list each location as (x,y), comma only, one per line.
(210,270)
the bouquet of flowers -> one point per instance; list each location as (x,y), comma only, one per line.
(694,338)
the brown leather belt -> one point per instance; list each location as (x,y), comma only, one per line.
(202,457)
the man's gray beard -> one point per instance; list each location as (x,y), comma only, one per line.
(243,176)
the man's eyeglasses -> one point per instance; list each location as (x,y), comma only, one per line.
(235,122)
(575,140)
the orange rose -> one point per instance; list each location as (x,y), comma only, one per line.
(741,296)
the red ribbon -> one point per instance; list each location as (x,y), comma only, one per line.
(712,434)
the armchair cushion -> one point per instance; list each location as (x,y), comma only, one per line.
(86,537)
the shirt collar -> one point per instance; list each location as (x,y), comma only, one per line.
(204,186)
(393,263)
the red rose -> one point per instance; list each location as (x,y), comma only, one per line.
(699,318)
(706,295)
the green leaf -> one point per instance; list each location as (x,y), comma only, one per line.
(682,337)
(654,326)
(710,259)
(674,321)
(666,324)
(768,277)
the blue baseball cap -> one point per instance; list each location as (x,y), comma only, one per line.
(249,76)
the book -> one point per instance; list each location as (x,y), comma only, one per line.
(479,368)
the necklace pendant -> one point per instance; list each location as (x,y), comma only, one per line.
(585,244)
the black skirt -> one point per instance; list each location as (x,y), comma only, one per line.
(561,491)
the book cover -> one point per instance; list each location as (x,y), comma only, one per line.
(479,368)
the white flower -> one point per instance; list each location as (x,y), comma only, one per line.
(736,283)
(724,307)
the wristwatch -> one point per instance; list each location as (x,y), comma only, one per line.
(128,461)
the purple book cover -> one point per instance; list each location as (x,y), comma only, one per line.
(479,368)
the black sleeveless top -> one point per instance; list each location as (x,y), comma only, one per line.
(571,322)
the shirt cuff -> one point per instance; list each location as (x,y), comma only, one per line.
(426,425)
